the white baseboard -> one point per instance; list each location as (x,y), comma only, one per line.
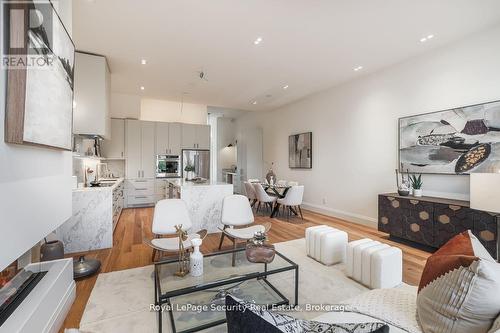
(351,217)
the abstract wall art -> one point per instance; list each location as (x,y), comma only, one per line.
(300,151)
(457,141)
(39,93)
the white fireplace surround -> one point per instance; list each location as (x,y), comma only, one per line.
(47,305)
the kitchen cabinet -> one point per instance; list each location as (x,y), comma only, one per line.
(133,147)
(195,136)
(148,155)
(91,112)
(115,148)
(140,149)
(168,138)
(174,138)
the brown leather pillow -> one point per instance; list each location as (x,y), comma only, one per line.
(460,288)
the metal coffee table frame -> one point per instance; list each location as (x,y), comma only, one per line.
(161,299)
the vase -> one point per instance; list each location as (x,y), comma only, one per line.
(196,258)
(417,193)
(51,250)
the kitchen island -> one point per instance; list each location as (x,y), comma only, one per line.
(204,201)
(96,211)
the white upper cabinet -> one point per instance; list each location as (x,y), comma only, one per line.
(195,136)
(168,138)
(162,138)
(203,136)
(188,136)
(148,156)
(115,148)
(91,113)
(174,138)
(133,146)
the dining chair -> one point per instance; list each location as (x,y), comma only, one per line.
(293,200)
(263,197)
(237,219)
(293,183)
(250,191)
(168,214)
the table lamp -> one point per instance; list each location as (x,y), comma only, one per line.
(485,192)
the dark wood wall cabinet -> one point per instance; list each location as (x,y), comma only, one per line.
(433,221)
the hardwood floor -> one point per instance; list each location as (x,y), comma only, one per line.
(129,252)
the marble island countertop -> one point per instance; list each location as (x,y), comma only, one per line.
(102,188)
(177,182)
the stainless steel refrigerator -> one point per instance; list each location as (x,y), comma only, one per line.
(199,159)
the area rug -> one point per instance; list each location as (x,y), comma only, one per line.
(120,301)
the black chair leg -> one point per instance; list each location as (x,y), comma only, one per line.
(300,210)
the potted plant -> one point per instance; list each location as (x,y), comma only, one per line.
(189,169)
(416,184)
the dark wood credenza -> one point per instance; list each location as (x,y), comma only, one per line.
(433,221)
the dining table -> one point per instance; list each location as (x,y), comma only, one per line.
(278,191)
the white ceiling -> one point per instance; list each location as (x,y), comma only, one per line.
(308,45)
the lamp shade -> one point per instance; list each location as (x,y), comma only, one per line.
(485,192)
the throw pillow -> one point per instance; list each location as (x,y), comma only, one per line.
(460,288)
(244,317)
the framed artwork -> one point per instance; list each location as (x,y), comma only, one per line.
(40,94)
(457,141)
(300,151)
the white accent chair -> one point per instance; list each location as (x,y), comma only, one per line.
(237,217)
(263,197)
(167,214)
(250,192)
(293,199)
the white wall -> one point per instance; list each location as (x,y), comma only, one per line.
(35,184)
(125,106)
(170,111)
(355,129)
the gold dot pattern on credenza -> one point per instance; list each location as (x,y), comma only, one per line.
(444,219)
(384,220)
(487,235)
(395,204)
(414,227)
(414,202)
(424,216)
(454,208)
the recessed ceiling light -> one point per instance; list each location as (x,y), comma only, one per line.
(358,68)
(254,102)
(142,88)
(285,87)
(425,39)
(258,40)
(144,61)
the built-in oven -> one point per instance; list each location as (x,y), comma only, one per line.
(168,166)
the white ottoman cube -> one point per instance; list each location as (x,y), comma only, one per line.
(333,247)
(386,268)
(350,254)
(366,258)
(326,244)
(357,267)
(311,239)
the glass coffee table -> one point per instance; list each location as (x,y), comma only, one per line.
(193,303)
